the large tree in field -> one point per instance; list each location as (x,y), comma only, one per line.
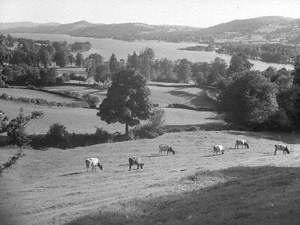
(127,100)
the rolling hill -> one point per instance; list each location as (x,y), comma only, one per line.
(270,28)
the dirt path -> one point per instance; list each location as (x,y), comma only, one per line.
(53,187)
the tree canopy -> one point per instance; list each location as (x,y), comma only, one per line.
(127,100)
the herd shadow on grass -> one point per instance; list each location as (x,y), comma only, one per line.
(288,138)
(253,195)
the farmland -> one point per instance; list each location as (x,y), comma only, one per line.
(45,187)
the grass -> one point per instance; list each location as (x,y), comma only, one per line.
(53,187)
(259,195)
(20,92)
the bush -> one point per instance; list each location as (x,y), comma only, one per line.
(58,135)
(153,128)
(92,100)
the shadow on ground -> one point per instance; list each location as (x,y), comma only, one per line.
(197,100)
(251,195)
(288,138)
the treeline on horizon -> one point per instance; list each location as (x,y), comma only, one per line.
(256,100)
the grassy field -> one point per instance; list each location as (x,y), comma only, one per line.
(20,92)
(82,120)
(190,96)
(77,70)
(46,187)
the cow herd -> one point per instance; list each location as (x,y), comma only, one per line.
(93,163)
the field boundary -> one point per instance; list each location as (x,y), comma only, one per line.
(12,160)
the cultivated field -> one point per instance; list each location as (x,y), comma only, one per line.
(53,187)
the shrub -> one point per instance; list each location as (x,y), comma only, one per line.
(58,135)
(92,100)
(153,128)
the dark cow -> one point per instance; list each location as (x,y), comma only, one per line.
(241,142)
(166,148)
(282,148)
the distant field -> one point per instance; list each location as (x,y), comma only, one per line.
(190,96)
(194,97)
(77,70)
(53,187)
(82,120)
(20,92)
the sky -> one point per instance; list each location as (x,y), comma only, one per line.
(198,13)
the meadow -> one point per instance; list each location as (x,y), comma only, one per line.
(194,186)
(190,187)
(28,93)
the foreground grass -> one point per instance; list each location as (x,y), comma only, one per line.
(259,195)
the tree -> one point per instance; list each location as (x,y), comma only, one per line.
(239,63)
(250,100)
(127,100)
(114,65)
(44,56)
(297,72)
(60,58)
(146,59)
(79,59)
(133,61)
(102,73)
(183,69)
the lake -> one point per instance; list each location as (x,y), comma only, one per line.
(162,49)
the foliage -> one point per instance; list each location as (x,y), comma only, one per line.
(239,63)
(92,100)
(60,138)
(249,100)
(127,100)
(153,127)
(183,70)
(58,135)
(16,128)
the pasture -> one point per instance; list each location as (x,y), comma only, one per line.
(53,187)
(162,95)
(28,93)
(81,120)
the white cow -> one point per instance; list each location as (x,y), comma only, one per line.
(93,163)
(217,149)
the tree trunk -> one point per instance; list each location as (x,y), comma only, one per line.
(126,128)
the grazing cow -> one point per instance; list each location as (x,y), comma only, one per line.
(217,149)
(93,163)
(135,161)
(241,142)
(166,148)
(282,148)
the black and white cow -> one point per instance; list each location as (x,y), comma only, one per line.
(218,149)
(241,142)
(93,163)
(282,148)
(135,161)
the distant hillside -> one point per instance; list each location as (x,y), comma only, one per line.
(261,29)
